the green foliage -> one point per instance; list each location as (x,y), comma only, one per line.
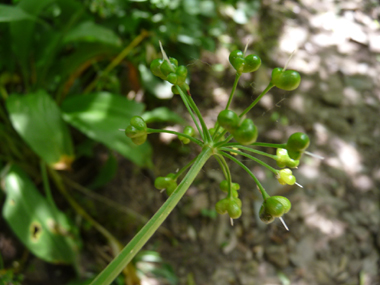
(37,119)
(100,116)
(46,231)
(13,14)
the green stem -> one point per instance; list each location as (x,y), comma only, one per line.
(186,102)
(227,106)
(206,134)
(228,176)
(221,165)
(133,247)
(233,90)
(275,171)
(275,145)
(254,151)
(47,189)
(261,188)
(225,141)
(269,87)
(151,131)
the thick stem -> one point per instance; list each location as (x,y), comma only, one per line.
(133,247)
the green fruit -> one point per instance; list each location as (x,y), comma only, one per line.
(298,142)
(167,68)
(246,133)
(188,130)
(228,120)
(283,159)
(230,206)
(286,80)
(285,176)
(181,73)
(243,64)
(224,186)
(137,130)
(265,216)
(221,206)
(233,210)
(168,182)
(293,154)
(274,207)
(285,203)
(172,78)
(155,67)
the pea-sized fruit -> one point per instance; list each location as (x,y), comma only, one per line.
(188,130)
(232,206)
(244,64)
(265,216)
(283,159)
(246,133)
(235,187)
(285,176)
(287,80)
(228,120)
(274,207)
(137,130)
(168,182)
(297,143)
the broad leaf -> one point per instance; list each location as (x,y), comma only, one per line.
(91,32)
(10,13)
(101,116)
(37,119)
(46,232)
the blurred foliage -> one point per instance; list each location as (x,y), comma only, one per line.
(66,68)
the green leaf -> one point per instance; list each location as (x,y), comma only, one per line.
(13,13)
(106,173)
(22,33)
(91,32)
(101,116)
(47,233)
(162,114)
(38,121)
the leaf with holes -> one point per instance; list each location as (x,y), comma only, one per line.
(46,232)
